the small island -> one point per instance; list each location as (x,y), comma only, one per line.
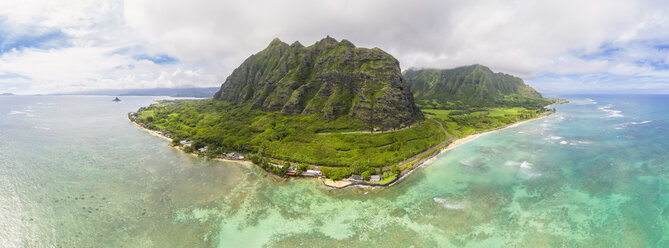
(344,114)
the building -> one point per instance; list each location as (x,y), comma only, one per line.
(234,155)
(186,143)
(355,178)
(277,166)
(313,173)
(203,149)
(375,178)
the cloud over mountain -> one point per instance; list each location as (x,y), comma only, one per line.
(554,45)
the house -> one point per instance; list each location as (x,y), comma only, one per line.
(186,143)
(292,170)
(375,178)
(313,173)
(234,155)
(277,166)
(203,149)
(355,178)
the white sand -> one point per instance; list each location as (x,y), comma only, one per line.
(461,141)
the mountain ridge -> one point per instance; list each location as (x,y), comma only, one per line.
(334,78)
(470,86)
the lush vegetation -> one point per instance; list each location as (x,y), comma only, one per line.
(471,86)
(464,122)
(331,78)
(224,127)
(301,141)
(291,107)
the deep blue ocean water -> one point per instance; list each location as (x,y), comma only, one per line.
(74,172)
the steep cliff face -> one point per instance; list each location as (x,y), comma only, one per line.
(474,85)
(329,77)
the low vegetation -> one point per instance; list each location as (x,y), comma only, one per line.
(467,121)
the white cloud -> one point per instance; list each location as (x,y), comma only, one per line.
(527,38)
(101,51)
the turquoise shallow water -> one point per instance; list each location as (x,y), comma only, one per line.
(75,173)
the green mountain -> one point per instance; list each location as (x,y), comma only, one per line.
(470,86)
(290,105)
(329,77)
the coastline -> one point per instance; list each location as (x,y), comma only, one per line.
(341,184)
(155,133)
(468,138)
(455,144)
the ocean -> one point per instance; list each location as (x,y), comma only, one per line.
(74,172)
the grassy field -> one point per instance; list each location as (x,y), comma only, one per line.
(463,122)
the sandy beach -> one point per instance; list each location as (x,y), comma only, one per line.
(150,131)
(336,184)
(466,139)
(457,143)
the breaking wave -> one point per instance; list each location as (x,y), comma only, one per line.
(586,101)
(612,112)
(524,164)
(624,125)
(449,204)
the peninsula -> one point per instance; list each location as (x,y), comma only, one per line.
(336,111)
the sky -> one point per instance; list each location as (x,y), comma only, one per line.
(558,47)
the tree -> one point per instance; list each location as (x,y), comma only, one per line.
(286,165)
(303,167)
(255,159)
(395,169)
(175,141)
(365,175)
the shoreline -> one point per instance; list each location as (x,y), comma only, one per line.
(341,184)
(455,144)
(152,132)
(468,138)
(155,133)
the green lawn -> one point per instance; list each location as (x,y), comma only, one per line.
(438,113)
(387,179)
(498,112)
(466,121)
